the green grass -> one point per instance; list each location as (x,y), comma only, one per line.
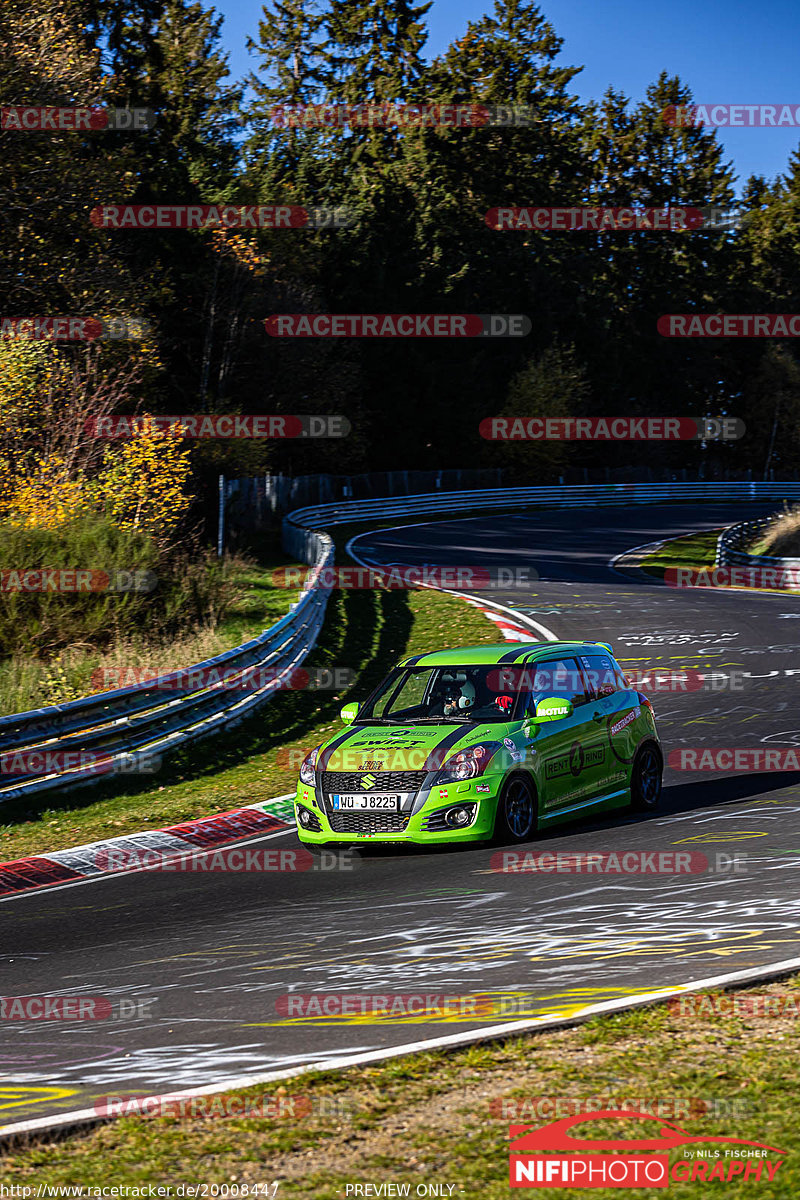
(366,631)
(27,682)
(696,550)
(424,1118)
(430,1117)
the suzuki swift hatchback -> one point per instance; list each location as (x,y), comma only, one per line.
(483,742)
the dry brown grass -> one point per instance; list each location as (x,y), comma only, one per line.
(781,538)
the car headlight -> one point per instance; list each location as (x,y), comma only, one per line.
(308,764)
(466,764)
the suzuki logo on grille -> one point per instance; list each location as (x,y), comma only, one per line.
(369,781)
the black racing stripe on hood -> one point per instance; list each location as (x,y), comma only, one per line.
(325,756)
(514,654)
(437,756)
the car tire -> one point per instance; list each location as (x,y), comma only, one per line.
(517,811)
(648,767)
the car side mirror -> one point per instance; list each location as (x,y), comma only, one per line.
(349,713)
(552,708)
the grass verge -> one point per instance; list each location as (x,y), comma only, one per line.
(695,550)
(81,669)
(438,1116)
(365,631)
(781,538)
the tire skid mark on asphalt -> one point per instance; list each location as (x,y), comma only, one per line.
(626,934)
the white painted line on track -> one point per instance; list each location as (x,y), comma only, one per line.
(470,1037)
(611,564)
(782,593)
(479,599)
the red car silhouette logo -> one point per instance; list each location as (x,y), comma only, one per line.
(527,1139)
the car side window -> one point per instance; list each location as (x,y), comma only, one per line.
(602,673)
(622,683)
(558,677)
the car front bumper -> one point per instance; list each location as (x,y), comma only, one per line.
(421,823)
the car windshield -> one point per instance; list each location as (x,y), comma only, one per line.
(455,694)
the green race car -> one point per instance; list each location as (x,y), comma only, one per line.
(483,742)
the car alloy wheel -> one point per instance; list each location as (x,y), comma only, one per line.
(517,810)
(646,779)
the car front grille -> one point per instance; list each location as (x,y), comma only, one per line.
(385,781)
(346,822)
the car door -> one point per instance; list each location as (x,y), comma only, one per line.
(566,766)
(606,701)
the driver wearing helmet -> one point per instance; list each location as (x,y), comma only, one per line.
(458,697)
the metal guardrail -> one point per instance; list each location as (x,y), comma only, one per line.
(112,726)
(156,718)
(731,549)
(297,526)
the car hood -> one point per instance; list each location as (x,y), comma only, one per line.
(404,747)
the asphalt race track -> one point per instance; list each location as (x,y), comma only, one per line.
(208,955)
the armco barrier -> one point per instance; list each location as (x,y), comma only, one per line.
(731,551)
(298,525)
(112,725)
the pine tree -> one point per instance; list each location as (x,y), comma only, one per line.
(639,159)
(293,73)
(376,49)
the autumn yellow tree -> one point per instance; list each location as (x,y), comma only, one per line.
(37,488)
(46,496)
(142,483)
(48,398)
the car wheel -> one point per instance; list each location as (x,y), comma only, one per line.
(646,779)
(516,818)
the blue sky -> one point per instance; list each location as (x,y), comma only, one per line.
(728,53)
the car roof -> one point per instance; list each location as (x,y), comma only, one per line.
(468,656)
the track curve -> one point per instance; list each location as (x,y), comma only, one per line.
(213,952)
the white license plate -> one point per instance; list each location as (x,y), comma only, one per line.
(350,801)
